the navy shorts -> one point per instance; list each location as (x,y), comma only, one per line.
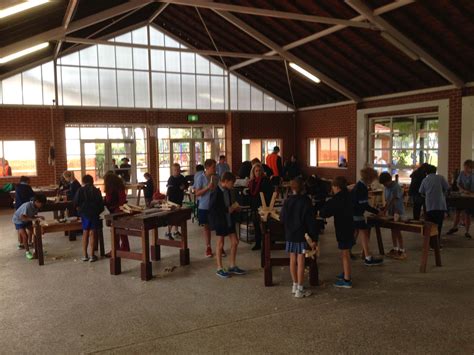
(203,217)
(90,223)
(345,244)
(23,225)
(225,231)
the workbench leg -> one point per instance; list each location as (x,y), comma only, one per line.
(379,240)
(424,255)
(313,272)
(38,241)
(437,252)
(268,277)
(184,258)
(72,236)
(146,272)
(155,250)
(115,262)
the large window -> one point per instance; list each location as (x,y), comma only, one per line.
(188,146)
(95,150)
(259,148)
(399,144)
(110,75)
(328,152)
(17,158)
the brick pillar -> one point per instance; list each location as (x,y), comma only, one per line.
(59,129)
(152,148)
(455,123)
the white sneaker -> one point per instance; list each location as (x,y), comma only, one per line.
(302,293)
(294,289)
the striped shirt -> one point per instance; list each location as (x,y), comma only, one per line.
(434,188)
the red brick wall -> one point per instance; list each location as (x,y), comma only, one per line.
(263,125)
(22,123)
(339,121)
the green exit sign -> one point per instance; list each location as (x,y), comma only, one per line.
(193,118)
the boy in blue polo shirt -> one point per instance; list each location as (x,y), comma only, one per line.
(23,220)
(204,185)
(394,206)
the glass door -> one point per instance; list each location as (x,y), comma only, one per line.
(181,154)
(120,150)
(94,160)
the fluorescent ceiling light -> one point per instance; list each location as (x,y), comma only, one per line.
(305,73)
(24,52)
(21,7)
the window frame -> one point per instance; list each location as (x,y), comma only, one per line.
(316,141)
(2,157)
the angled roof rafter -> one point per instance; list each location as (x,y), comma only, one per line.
(327,31)
(269,13)
(71,8)
(286,55)
(424,56)
(59,32)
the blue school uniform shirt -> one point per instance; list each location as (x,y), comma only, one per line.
(221,168)
(395,191)
(466,181)
(27,209)
(201,182)
(434,187)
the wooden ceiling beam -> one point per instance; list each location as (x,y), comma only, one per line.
(399,40)
(286,55)
(269,13)
(327,31)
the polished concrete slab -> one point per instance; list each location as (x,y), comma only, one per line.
(67,306)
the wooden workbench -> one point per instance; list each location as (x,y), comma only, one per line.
(139,225)
(427,230)
(274,239)
(460,201)
(45,227)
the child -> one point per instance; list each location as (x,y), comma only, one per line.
(23,220)
(222,166)
(360,201)
(298,218)
(204,185)
(149,189)
(434,188)
(23,192)
(340,206)
(222,219)
(72,185)
(176,186)
(465,183)
(394,206)
(89,204)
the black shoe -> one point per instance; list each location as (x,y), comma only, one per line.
(373,262)
(257,247)
(452,231)
(468,236)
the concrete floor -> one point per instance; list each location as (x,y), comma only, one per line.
(68,306)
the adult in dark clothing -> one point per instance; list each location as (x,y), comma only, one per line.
(360,202)
(245,168)
(71,185)
(23,192)
(176,185)
(298,219)
(418,200)
(258,183)
(291,169)
(340,206)
(318,190)
(125,169)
